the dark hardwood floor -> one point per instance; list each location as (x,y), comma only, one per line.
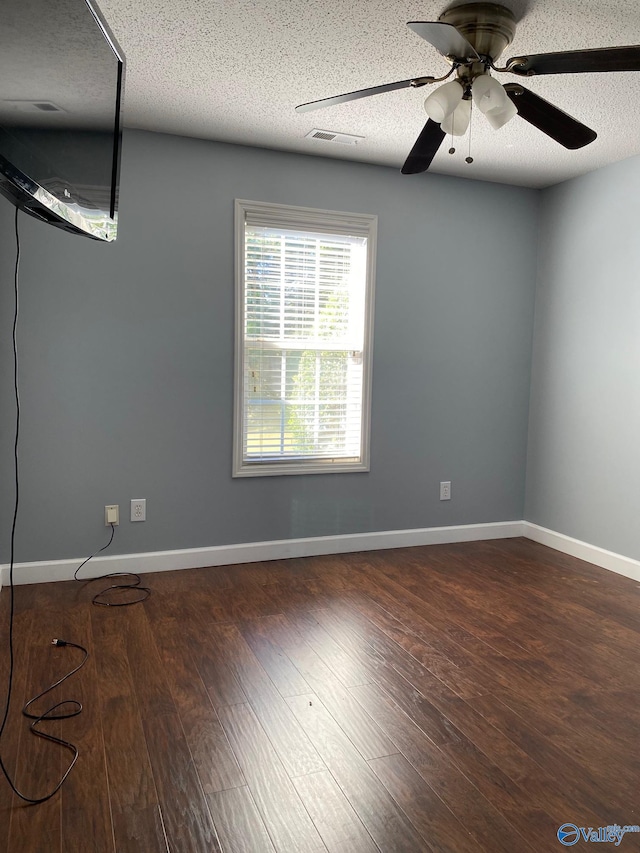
(456,698)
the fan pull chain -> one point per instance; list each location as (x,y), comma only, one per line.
(452,150)
(469,159)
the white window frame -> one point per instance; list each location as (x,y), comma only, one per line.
(311,219)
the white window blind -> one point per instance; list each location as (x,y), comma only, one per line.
(303,355)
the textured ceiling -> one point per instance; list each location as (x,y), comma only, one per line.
(233,70)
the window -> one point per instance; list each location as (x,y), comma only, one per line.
(304,318)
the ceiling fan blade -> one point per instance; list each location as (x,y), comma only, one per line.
(551,120)
(424,149)
(446,39)
(577,61)
(354,96)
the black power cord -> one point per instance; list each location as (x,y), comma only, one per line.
(17,496)
(99,598)
(74,706)
(49,713)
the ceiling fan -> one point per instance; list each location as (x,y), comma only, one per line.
(471,37)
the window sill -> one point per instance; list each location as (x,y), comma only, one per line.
(279,469)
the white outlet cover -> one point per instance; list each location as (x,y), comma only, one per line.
(139,509)
(111,514)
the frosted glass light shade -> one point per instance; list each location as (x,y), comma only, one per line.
(457,122)
(488,94)
(492,100)
(443,101)
(499,117)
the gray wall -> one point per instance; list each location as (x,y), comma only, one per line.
(127,370)
(583,471)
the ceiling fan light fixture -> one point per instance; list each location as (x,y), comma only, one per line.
(487,93)
(492,100)
(457,122)
(470,35)
(443,101)
(499,117)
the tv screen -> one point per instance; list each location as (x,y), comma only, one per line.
(61,89)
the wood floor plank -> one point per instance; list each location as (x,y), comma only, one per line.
(425,809)
(586,739)
(446,659)
(12,737)
(614,670)
(339,826)
(293,569)
(238,821)
(130,779)
(280,807)
(483,594)
(86,816)
(133,797)
(558,763)
(242,601)
(488,826)
(46,761)
(541,786)
(288,680)
(400,674)
(185,813)
(364,733)
(343,665)
(470,696)
(40,765)
(292,745)
(214,670)
(482,615)
(456,657)
(387,824)
(511,799)
(376,651)
(584,589)
(399,621)
(483,644)
(152,690)
(293,597)
(212,754)
(617,710)
(139,828)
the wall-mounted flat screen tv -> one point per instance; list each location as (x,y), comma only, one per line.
(61,90)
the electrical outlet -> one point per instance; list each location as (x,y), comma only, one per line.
(111,514)
(139,509)
(445,490)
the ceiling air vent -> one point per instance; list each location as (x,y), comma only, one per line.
(332,136)
(33,106)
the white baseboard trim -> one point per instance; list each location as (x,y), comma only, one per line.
(252,552)
(589,553)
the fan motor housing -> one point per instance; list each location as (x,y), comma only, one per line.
(488,27)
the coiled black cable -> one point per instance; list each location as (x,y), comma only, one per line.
(50,714)
(144,591)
